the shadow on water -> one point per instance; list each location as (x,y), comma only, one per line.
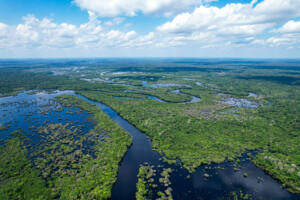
(222,180)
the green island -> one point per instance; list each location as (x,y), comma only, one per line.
(146,185)
(62,163)
(242,107)
(145,180)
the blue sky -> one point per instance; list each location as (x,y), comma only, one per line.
(150,28)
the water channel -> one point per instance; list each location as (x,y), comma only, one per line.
(222,179)
(214,181)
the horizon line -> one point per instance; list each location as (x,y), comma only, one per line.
(169,57)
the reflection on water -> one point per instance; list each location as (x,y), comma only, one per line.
(200,84)
(252,95)
(163,85)
(241,103)
(194,99)
(176,92)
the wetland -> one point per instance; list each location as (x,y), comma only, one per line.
(157,130)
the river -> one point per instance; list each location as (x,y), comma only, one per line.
(222,180)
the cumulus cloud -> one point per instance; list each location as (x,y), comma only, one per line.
(45,33)
(235,22)
(3,35)
(3,29)
(290,27)
(290,40)
(113,8)
(233,15)
(276,10)
(289,35)
(234,25)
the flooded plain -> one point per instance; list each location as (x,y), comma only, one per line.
(214,181)
(240,103)
(30,110)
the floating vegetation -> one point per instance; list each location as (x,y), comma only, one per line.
(74,164)
(165,175)
(210,131)
(240,196)
(146,172)
(146,183)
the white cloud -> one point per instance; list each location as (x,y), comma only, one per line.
(291,40)
(277,10)
(115,21)
(234,25)
(45,33)
(113,8)
(233,15)
(3,29)
(3,35)
(290,27)
(290,35)
(234,22)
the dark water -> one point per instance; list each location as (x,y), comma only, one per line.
(138,153)
(27,112)
(168,85)
(222,180)
(149,97)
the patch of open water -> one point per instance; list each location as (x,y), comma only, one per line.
(28,111)
(241,103)
(221,180)
(163,85)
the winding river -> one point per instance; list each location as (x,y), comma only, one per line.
(214,181)
(222,179)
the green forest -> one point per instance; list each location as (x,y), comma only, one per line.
(263,114)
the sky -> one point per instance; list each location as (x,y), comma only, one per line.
(150,28)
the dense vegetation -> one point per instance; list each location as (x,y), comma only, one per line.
(18,179)
(96,176)
(196,133)
(75,166)
(146,183)
(145,179)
